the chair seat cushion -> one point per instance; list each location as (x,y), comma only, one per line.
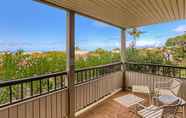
(151,112)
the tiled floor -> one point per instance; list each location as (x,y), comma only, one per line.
(111,109)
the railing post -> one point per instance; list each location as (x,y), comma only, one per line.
(123,55)
(70,62)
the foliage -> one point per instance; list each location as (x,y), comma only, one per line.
(177,46)
(20,64)
(97,57)
(23,64)
(144,56)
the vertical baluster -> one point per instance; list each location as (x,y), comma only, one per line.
(48,84)
(10,93)
(104,71)
(97,76)
(40,86)
(61,81)
(174,72)
(83,75)
(90,82)
(22,91)
(55,82)
(86,85)
(179,72)
(94,73)
(77,77)
(158,70)
(64,81)
(86,75)
(31,88)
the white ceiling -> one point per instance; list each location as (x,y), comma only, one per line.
(126,13)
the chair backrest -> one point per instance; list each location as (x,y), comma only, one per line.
(176,86)
(140,89)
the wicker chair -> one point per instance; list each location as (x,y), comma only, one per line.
(165,111)
(171,87)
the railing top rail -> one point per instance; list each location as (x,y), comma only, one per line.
(100,66)
(40,77)
(149,64)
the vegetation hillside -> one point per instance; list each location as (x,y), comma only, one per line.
(173,53)
(177,46)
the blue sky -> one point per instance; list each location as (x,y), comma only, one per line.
(32,26)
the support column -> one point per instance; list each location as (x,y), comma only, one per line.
(123,55)
(70,62)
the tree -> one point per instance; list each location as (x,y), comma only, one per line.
(177,45)
(136,34)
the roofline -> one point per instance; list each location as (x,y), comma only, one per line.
(82,14)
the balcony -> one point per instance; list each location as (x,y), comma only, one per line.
(95,88)
(89,92)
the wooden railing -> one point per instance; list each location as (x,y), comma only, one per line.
(46,96)
(16,91)
(92,84)
(157,69)
(151,74)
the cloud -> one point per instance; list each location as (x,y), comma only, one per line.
(148,42)
(31,46)
(180,29)
(99,43)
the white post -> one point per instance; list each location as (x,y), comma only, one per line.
(123,55)
(70,62)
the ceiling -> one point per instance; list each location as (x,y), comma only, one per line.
(126,13)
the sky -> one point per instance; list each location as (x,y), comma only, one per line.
(32,26)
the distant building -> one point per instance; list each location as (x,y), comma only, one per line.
(33,52)
(81,54)
(116,50)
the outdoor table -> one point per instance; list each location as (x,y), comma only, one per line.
(130,101)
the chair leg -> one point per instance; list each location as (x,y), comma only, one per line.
(183,109)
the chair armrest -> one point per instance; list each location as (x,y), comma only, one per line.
(163,83)
(163,87)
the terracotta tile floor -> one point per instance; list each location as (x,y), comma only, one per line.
(111,109)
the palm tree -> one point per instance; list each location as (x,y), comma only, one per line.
(136,34)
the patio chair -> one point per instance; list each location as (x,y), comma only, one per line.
(164,111)
(142,89)
(171,87)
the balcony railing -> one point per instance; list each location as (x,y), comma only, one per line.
(93,83)
(46,95)
(156,69)
(15,91)
(50,91)
(151,74)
